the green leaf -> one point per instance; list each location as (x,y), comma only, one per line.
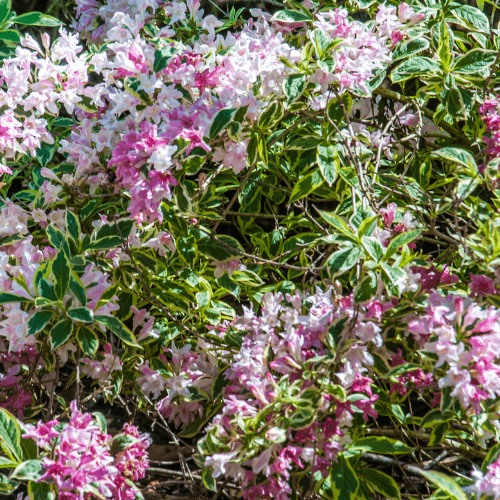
(344,482)
(491,456)
(105,243)
(414,67)
(329,162)
(335,221)
(400,369)
(366,289)
(118,328)
(39,321)
(61,332)
(162,56)
(7,486)
(222,119)
(445,483)
(400,240)
(73,225)
(290,16)
(45,153)
(10,36)
(471,18)
(304,143)
(88,341)
(342,260)
(435,417)
(30,470)
(10,436)
(383,483)
(187,249)
(380,444)
(373,247)
(8,298)
(475,61)
(438,434)
(5,6)
(444,49)
(457,155)
(36,19)
(208,480)
(306,185)
(409,48)
(294,86)
(77,289)
(394,279)
(271,115)
(61,271)
(218,385)
(41,491)
(81,314)
(58,239)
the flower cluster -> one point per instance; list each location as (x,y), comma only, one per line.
(83,461)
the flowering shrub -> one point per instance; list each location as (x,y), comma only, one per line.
(275,234)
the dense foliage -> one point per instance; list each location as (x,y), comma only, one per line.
(276,237)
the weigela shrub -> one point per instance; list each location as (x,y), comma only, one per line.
(276,232)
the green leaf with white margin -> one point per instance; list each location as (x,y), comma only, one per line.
(474,61)
(373,247)
(491,456)
(409,48)
(78,289)
(7,463)
(394,279)
(306,185)
(329,162)
(81,314)
(88,341)
(399,241)
(30,470)
(342,260)
(61,332)
(7,486)
(294,87)
(10,436)
(343,480)
(5,6)
(222,119)
(339,224)
(208,480)
(39,321)
(61,271)
(36,19)
(471,18)
(414,67)
(10,36)
(457,155)
(73,226)
(366,289)
(119,329)
(445,483)
(290,16)
(383,483)
(41,491)
(380,444)
(9,298)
